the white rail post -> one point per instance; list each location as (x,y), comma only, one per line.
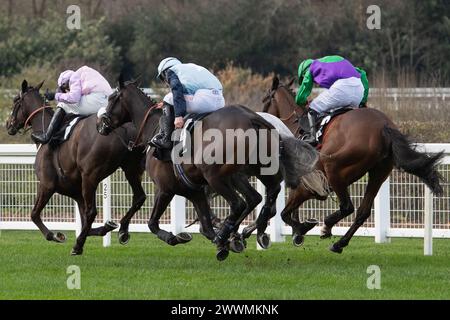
(382,207)
(107,209)
(77,220)
(178,214)
(428,223)
(276,224)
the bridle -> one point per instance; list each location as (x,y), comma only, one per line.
(142,125)
(270,96)
(132,144)
(18,105)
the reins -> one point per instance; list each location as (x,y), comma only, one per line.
(141,127)
(288,118)
(31,116)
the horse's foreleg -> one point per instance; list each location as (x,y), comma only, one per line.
(162,200)
(134,178)
(346,208)
(90,213)
(43,197)
(268,211)
(222,186)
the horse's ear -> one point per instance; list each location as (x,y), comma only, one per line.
(275,83)
(39,86)
(121,81)
(291,82)
(24,86)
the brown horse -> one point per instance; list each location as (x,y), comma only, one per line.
(227,179)
(355,143)
(76,167)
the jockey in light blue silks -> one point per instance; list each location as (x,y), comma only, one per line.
(81,92)
(347,87)
(193,90)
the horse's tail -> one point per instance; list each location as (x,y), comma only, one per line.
(414,162)
(298,160)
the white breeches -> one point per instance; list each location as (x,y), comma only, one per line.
(343,93)
(203,101)
(89,104)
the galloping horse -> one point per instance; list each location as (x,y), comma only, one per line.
(227,179)
(76,167)
(355,143)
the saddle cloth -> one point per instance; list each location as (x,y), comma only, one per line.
(64,132)
(323,120)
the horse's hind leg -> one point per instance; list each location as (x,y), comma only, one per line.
(377,176)
(134,176)
(42,199)
(296,198)
(268,211)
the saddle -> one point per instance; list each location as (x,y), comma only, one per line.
(190,121)
(323,120)
(64,132)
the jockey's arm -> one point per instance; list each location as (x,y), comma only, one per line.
(365,83)
(305,89)
(74,95)
(179,103)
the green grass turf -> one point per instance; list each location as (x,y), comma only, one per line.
(32,268)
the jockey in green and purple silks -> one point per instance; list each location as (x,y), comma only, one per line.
(347,87)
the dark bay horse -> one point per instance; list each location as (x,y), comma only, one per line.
(227,179)
(355,143)
(76,167)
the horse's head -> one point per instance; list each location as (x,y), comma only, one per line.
(280,102)
(119,106)
(27,101)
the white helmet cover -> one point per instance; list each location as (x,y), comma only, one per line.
(166,64)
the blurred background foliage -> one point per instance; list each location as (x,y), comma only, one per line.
(245,42)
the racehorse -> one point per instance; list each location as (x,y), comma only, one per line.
(355,143)
(76,167)
(227,179)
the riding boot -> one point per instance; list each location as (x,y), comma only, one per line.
(55,123)
(166,124)
(312,119)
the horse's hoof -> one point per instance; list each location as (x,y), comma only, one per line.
(76,252)
(325,233)
(222,254)
(335,248)
(124,237)
(237,245)
(111,225)
(298,239)
(263,240)
(183,237)
(59,237)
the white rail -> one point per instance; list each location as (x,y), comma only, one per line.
(404,207)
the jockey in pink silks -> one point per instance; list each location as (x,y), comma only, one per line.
(82,92)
